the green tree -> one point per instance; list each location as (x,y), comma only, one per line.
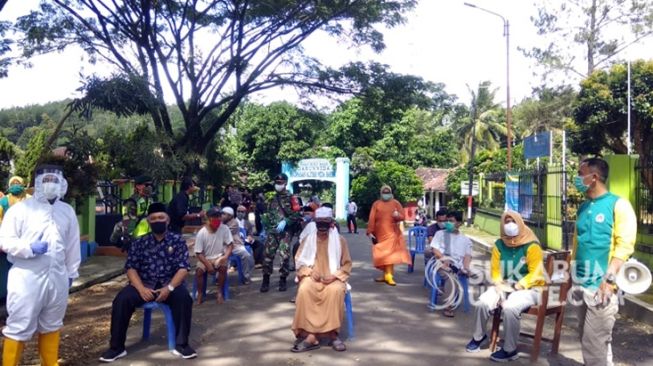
(154,45)
(8,152)
(548,110)
(27,162)
(589,31)
(484,126)
(406,185)
(601,114)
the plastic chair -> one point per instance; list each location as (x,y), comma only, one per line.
(350,314)
(170,324)
(225,288)
(418,236)
(464,281)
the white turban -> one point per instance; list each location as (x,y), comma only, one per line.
(323,212)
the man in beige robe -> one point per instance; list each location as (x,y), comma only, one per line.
(323,268)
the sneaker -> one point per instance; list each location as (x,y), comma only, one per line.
(185,352)
(474,345)
(111,355)
(503,356)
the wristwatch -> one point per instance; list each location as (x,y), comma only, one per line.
(171,287)
(610,278)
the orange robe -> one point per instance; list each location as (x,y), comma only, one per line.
(391,246)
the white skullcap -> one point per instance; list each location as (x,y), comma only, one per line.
(228,210)
(323,212)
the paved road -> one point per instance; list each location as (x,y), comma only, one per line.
(393,327)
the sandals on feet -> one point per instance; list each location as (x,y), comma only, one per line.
(304,347)
(448,313)
(338,345)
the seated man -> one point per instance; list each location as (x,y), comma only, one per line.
(246,259)
(454,249)
(157,265)
(324,266)
(440,219)
(256,245)
(518,274)
(213,246)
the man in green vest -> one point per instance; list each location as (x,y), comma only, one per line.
(606,230)
(142,196)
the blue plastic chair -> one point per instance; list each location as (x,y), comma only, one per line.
(350,314)
(416,244)
(147,319)
(235,260)
(225,288)
(464,282)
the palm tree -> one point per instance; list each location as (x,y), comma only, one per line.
(484,125)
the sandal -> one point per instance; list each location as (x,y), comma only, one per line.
(338,345)
(448,313)
(304,347)
(298,340)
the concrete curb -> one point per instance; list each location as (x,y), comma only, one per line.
(631,306)
(94,281)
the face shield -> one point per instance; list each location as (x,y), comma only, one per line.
(49,183)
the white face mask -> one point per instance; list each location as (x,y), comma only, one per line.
(50,190)
(511,229)
(279,187)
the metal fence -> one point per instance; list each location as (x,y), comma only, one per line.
(644,173)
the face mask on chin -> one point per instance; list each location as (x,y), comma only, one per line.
(159,227)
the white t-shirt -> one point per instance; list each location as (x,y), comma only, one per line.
(213,244)
(352,208)
(456,246)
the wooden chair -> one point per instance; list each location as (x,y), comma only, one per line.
(546,307)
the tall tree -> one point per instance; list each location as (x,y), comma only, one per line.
(580,36)
(548,110)
(211,54)
(601,113)
(484,125)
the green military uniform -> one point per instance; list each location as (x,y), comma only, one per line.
(279,209)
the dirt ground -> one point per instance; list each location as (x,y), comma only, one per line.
(87,323)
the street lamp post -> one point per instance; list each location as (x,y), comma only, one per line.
(506,33)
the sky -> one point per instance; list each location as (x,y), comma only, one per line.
(442,41)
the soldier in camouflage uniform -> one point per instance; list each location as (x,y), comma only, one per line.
(281,223)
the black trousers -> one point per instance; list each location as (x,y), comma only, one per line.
(351,223)
(128,299)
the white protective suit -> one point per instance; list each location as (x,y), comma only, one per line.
(37,286)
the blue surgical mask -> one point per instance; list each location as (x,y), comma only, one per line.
(449,226)
(386,196)
(580,185)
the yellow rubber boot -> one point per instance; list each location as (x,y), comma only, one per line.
(49,348)
(12,350)
(389,278)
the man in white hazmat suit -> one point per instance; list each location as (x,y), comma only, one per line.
(41,238)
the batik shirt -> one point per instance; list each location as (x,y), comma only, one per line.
(157,262)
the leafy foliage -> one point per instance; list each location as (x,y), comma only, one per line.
(601,115)
(256,46)
(589,31)
(27,162)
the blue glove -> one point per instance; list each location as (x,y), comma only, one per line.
(70,282)
(281,225)
(39,246)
